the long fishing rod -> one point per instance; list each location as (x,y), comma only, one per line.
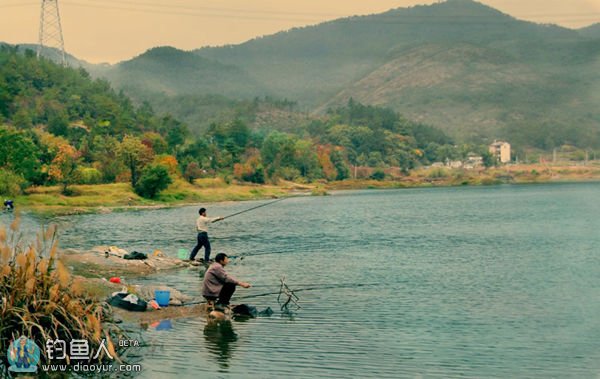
(308,288)
(256,207)
(244,255)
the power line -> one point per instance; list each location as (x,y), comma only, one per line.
(17,5)
(264,15)
(169,8)
(170,5)
(192,14)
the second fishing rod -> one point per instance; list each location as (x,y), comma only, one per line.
(256,207)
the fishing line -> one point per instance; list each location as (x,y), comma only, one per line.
(321,287)
(307,288)
(245,255)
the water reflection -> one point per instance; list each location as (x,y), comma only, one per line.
(162,325)
(220,340)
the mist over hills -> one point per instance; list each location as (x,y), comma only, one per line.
(175,72)
(459,65)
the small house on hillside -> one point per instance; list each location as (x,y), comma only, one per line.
(454,164)
(500,150)
(473,161)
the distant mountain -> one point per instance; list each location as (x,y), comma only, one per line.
(171,72)
(459,65)
(592,31)
(312,63)
(54,55)
(469,90)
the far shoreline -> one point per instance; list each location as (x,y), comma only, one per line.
(118,197)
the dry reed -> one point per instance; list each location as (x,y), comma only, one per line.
(42,301)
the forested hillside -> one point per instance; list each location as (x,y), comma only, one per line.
(58,126)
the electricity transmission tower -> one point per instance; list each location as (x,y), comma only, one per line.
(51,35)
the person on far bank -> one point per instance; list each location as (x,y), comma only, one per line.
(9,205)
(218,285)
(202,227)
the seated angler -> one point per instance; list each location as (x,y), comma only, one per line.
(218,285)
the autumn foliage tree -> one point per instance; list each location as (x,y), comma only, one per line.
(252,170)
(135,155)
(192,172)
(324,158)
(168,161)
(63,168)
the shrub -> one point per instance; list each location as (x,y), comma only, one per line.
(11,184)
(248,172)
(438,173)
(89,175)
(378,175)
(154,179)
(288,173)
(192,172)
(252,170)
(227,177)
(343,172)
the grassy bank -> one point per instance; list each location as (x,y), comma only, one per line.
(102,198)
(119,196)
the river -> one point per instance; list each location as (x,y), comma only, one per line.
(475,282)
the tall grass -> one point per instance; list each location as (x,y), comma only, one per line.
(42,301)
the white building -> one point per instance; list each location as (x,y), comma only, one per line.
(475,160)
(500,150)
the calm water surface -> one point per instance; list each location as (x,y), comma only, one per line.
(490,282)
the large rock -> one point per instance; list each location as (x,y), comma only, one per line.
(108,261)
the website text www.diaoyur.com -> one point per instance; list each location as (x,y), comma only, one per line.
(92,368)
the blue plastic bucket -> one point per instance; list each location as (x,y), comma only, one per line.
(162,297)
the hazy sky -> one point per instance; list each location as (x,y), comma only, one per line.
(114,30)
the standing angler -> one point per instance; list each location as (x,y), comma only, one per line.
(202,226)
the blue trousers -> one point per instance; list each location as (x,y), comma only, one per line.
(202,242)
